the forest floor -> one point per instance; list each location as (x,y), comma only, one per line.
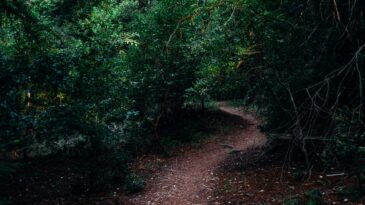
(234,164)
(189,177)
(239,167)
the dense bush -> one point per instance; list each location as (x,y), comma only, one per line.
(133,183)
(63,80)
(346,149)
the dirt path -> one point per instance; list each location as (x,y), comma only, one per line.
(189,178)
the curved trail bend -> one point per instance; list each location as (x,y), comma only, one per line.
(189,178)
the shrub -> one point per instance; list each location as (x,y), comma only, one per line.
(291,201)
(133,183)
(347,149)
(314,197)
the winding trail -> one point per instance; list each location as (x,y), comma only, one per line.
(189,178)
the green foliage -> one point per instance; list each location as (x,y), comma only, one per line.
(314,197)
(228,186)
(291,201)
(7,169)
(189,129)
(63,84)
(298,175)
(59,85)
(133,183)
(4,202)
(350,136)
(348,144)
(348,192)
